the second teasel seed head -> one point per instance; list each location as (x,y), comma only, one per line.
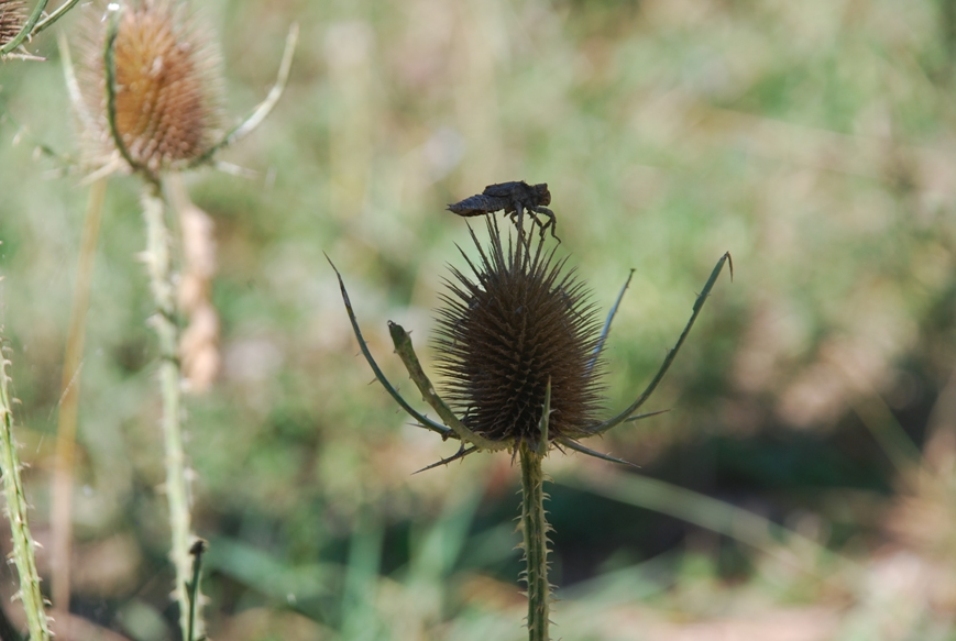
(12,17)
(166,90)
(519,320)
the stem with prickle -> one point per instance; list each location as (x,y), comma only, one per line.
(534,526)
(159,265)
(23,554)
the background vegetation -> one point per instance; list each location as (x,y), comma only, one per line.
(814,140)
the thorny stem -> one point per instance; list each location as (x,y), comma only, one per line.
(534,527)
(159,265)
(23,555)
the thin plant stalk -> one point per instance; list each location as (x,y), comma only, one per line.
(159,265)
(61,512)
(23,545)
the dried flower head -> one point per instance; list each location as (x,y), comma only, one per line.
(519,321)
(519,346)
(166,87)
(12,17)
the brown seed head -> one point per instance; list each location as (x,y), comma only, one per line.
(167,86)
(12,17)
(518,321)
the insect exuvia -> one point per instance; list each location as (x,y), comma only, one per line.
(513,198)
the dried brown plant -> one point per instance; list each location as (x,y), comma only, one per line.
(520,320)
(168,93)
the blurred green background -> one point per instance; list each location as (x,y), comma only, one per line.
(814,400)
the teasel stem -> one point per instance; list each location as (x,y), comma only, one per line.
(159,266)
(23,554)
(534,527)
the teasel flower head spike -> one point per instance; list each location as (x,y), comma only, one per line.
(518,330)
(150,90)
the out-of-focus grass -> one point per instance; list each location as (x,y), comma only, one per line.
(813,140)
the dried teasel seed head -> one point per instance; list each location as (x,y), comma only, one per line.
(167,87)
(12,17)
(519,320)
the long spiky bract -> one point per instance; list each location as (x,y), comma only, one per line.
(604,426)
(261,111)
(16,510)
(423,420)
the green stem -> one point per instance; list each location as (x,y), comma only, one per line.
(23,544)
(53,17)
(534,526)
(159,265)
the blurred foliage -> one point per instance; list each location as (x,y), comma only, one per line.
(813,140)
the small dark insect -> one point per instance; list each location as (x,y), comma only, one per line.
(512,197)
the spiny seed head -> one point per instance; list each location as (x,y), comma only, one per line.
(12,17)
(519,320)
(168,86)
